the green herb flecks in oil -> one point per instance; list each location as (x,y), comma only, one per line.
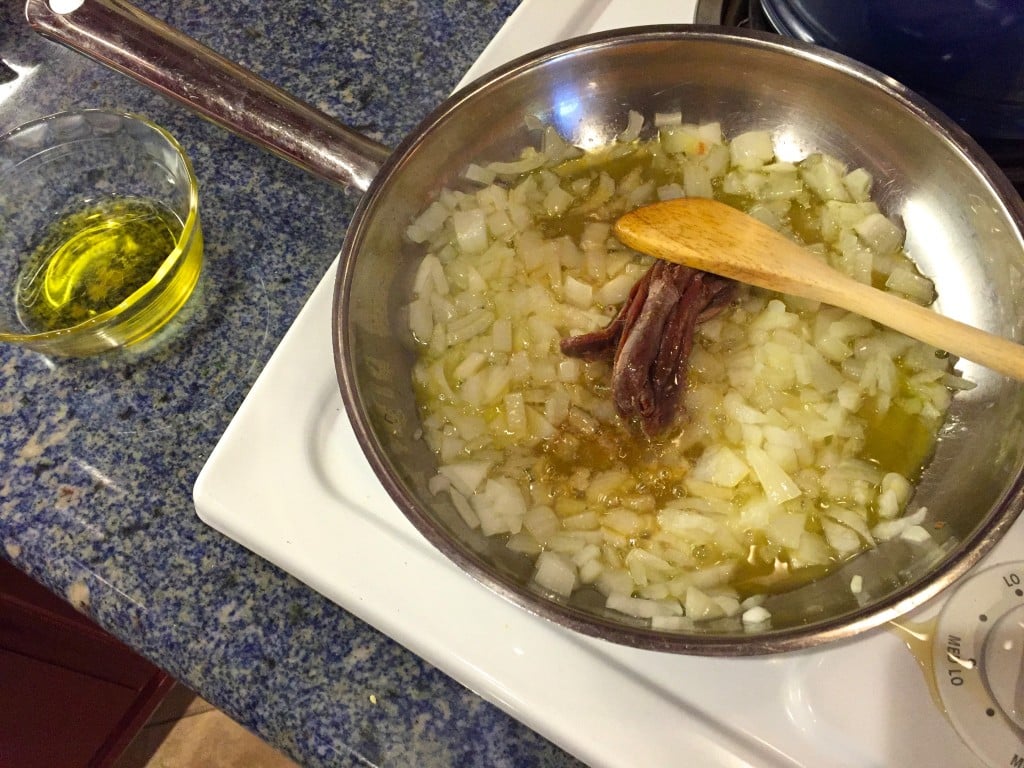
(91,260)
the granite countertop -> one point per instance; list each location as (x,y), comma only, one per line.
(99,456)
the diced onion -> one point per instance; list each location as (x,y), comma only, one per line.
(752,149)
(769,466)
(755,616)
(635,125)
(555,572)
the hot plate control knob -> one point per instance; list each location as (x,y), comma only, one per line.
(978,660)
(1002,664)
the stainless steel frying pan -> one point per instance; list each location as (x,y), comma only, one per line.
(964,225)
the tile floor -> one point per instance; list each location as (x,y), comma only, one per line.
(187,732)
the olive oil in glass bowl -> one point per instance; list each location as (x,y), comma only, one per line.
(100,238)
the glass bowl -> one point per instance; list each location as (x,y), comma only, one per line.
(100,242)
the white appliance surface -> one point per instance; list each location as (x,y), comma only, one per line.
(288,481)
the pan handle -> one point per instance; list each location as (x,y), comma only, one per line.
(136,44)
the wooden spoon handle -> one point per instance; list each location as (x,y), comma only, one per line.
(714,237)
(929,326)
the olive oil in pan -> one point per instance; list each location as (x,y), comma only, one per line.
(93,259)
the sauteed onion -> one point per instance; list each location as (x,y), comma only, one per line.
(804,425)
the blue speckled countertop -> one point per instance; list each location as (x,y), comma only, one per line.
(99,456)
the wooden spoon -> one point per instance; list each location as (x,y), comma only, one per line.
(715,237)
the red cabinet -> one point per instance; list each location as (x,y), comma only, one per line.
(71,695)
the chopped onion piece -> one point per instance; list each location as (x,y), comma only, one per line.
(913,286)
(880,234)
(577,292)
(672,623)
(915,533)
(500,507)
(778,486)
(530,162)
(633,128)
(615,291)
(825,175)
(465,510)
(756,616)
(890,529)
(642,608)
(841,539)
(752,149)
(428,223)
(478,174)
(700,607)
(555,572)
(721,466)
(466,476)
(858,184)
(557,201)
(470,230)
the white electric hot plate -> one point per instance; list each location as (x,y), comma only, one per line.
(288,481)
